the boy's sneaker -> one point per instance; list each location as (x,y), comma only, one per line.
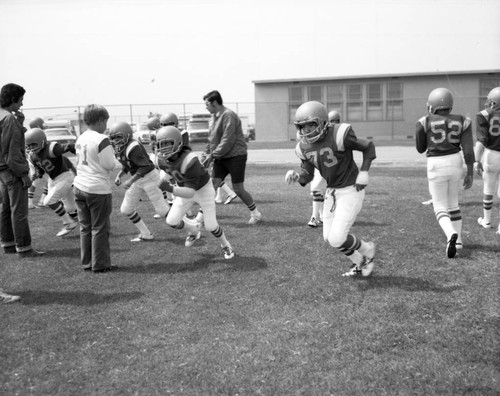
(8,298)
(230,199)
(353,271)
(483,223)
(255,218)
(451,246)
(142,238)
(367,265)
(191,239)
(67,229)
(228,252)
(313,223)
(157,216)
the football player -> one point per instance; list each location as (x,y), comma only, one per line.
(318,184)
(153,124)
(329,148)
(48,158)
(487,153)
(442,136)
(145,178)
(37,122)
(193,185)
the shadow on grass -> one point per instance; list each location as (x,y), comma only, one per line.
(78,298)
(241,264)
(489,248)
(403,283)
(371,224)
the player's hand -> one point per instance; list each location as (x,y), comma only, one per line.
(206,161)
(118,181)
(468,182)
(26,182)
(20,117)
(362,180)
(291,177)
(478,168)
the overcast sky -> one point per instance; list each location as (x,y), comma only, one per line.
(77,52)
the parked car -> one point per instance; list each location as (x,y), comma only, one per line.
(143,134)
(249,133)
(198,130)
(60,135)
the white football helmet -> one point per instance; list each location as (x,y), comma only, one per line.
(169,119)
(311,113)
(334,117)
(493,99)
(439,99)
(35,140)
(119,135)
(168,142)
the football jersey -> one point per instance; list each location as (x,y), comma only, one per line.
(445,134)
(50,160)
(332,156)
(186,170)
(135,159)
(488,128)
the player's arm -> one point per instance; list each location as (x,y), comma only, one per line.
(351,142)
(421,136)
(467,144)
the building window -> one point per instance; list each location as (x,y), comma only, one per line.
(334,98)
(394,108)
(354,105)
(374,106)
(485,87)
(315,93)
(296,95)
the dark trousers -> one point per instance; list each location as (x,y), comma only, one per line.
(14,225)
(94,212)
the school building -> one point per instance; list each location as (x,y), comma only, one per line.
(378,106)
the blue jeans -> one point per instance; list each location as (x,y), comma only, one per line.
(94,211)
(14,225)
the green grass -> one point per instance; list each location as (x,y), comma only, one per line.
(278,319)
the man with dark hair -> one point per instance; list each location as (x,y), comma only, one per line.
(228,150)
(15,233)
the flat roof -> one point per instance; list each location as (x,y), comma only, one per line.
(392,75)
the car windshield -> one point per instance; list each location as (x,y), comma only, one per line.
(196,126)
(57,132)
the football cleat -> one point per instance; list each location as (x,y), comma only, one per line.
(228,252)
(191,239)
(230,199)
(498,230)
(313,223)
(142,238)
(8,298)
(255,218)
(451,246)
(367,265)
(67,229)
(353,271)
(482,222)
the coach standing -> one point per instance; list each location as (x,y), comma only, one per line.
(15,233)
(228,149)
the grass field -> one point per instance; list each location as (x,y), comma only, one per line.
(278,319)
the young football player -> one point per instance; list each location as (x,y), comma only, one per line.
(48,158)
(329,148)
(145,178)
(318,184)
(442,136)
(487,153)
(193,185)
(38,183)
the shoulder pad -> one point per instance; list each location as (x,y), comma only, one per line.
(340,133)
(298,152)
(130,147)
(188,160)
(51,149)
(422,121)
(484,113)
